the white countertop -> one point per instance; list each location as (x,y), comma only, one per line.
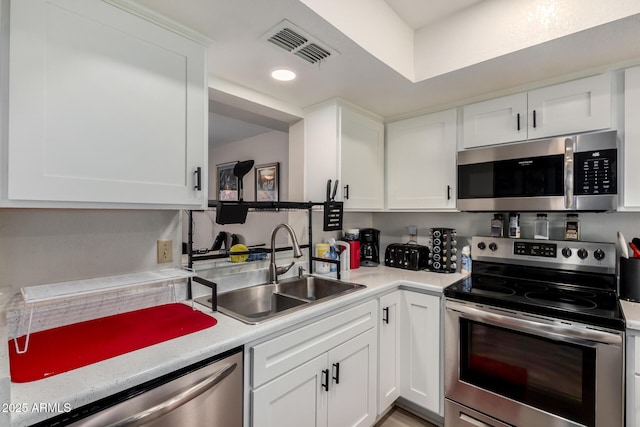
(87,384)
(631,312)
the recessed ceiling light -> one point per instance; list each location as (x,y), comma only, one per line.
(283,74)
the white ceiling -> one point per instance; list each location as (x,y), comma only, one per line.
(240,58)
(420,13)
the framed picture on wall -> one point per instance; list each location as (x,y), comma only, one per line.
(267,181)
(226,182)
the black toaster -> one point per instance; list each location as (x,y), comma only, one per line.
(408,256)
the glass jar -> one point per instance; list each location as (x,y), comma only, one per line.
(572,227)
(497,225)
(541,227)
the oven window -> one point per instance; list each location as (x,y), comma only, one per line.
(554,376)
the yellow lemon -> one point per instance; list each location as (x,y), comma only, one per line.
(239,248)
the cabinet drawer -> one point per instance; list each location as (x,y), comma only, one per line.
(281,354)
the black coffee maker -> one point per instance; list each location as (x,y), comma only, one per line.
(369,247)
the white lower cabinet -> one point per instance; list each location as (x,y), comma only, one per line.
(389,350)
(633,379)
(323,374)
(420,364)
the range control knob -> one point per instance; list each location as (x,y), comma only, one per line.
(482,246)
(566,252)
(583,253)
(493,246)
(599,254)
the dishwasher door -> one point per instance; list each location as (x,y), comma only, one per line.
(210,395)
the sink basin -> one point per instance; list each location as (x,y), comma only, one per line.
(314,288)
(259,303)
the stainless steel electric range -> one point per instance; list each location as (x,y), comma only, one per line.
(535,336)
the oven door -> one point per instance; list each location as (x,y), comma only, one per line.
(526,370)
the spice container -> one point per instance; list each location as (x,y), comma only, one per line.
(514,225)
(572,227)
(541,227)
(497,225)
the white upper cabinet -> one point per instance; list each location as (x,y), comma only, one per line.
(346,144)
(105,107)
(421,162)
(577,106)
(496,121)
(631,190)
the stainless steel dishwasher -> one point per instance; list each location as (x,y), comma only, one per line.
(208,393)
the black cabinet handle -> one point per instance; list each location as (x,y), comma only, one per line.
(534,119)
(336,377)
(448,192)
(198,174)
(518,120)
(385,315)
(325,379)
(346,192)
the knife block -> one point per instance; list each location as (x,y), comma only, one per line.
(630,279)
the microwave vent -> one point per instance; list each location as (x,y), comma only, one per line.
(297,42)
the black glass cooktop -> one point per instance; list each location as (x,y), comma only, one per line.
(583,297)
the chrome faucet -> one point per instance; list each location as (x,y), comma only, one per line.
(274,270)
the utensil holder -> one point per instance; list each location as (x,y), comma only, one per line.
(442,250)
(630,279)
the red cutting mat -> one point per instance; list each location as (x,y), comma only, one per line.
(62,349)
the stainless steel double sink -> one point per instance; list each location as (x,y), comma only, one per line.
(256,304)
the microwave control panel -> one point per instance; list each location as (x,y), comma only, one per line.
(595,172)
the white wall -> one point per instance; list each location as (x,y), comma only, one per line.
(266,148)
(596,227)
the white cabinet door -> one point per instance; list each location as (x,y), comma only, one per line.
(495,121)
(104,107)
(352,397)
(348,145)
(421,162)
(577,106)
(361,161)
(294,399)
(631,148)
(389,329)
(420,368)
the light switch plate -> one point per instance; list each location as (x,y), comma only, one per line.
(165,251)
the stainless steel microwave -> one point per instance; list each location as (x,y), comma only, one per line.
(569,173)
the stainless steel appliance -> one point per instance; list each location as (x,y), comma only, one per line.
(208,393)
(535,336)
(409,256)
(571,173)
(369,247)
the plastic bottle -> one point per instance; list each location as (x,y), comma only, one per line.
(465,259)
(333,254)
(322,251)
(514,225)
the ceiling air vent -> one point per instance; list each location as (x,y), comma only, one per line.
(292,39)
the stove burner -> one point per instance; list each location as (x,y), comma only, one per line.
(531,287)
(491,281)
(561,300)
(490,287)
(576,293)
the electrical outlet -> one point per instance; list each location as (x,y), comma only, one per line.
(165,251)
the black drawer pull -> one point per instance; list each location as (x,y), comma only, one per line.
(325,379)
(385,315)
(336,377)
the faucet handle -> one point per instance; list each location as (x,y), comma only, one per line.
(301,271)
(283,269)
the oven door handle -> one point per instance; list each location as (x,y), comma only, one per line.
(582,336)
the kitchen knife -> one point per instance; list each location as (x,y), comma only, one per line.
(335,188)
(328,190)
(622,242)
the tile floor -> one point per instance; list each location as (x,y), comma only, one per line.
(397,417)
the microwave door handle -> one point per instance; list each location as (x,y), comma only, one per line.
(569,199)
